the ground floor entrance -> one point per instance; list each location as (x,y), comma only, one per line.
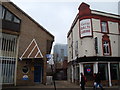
(37,74)
(109,72)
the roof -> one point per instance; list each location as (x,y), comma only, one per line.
(31,19)
(85,10)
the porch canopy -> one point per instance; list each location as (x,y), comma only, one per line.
(32,51)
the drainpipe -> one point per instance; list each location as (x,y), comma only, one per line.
(72,73)
(16,62)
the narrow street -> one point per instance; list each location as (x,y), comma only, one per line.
(60,85)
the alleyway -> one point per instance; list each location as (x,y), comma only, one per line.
(60,85)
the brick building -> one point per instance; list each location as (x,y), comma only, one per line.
(93,46)
(25,44)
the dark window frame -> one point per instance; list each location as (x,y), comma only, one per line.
(13,15)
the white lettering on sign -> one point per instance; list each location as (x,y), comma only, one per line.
(85,28)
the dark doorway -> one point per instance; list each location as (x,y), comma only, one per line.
(37,74)
(88,71)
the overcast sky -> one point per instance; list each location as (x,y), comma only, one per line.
(57,16)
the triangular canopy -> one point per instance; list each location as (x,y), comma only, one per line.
(32,51)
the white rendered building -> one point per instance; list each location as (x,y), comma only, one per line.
(93,46)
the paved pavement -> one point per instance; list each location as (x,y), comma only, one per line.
(60,85)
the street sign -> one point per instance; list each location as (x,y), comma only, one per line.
(48,56)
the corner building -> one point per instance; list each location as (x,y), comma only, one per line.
(94,46)
(24,45)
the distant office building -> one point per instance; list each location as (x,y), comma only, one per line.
(60,58)
(60,52)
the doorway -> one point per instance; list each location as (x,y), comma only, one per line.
(37,74)
(88,71)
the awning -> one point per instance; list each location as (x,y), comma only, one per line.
(32,51)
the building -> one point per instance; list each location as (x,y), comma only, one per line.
(60,51)
(93,46)
(60,59)
(24,45)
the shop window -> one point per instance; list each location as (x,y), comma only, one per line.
(8,16)
(25,69)
(106,45)
(114,71)
(77,73)
(88,71)
(104,27)
(102,68)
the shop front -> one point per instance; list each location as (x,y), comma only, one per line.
(109,71)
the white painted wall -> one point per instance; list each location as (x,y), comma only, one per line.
(96,25)
(113,27)
(86,45)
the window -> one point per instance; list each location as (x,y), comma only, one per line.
(103,69)
(119,28)
(106,45)
(16,20)
(2,9)
(104,27)
(8,44)
(25,69)
(8,16)
(114,71)
(3,12)
(62,54)
(106,48)
(96,45)
(76,48)
(88,71)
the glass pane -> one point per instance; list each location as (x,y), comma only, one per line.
(104,27)
(106,48)
(3,12)
(8,16)
(88,71)
(102,68)
(16,20)
(114,72)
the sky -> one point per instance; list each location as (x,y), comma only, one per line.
(57,16)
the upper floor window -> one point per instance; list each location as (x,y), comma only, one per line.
(106,45)
(76,48)
(96,45)
(106,48)
(104,27)
(8,16)
(119,28)
(16,20)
